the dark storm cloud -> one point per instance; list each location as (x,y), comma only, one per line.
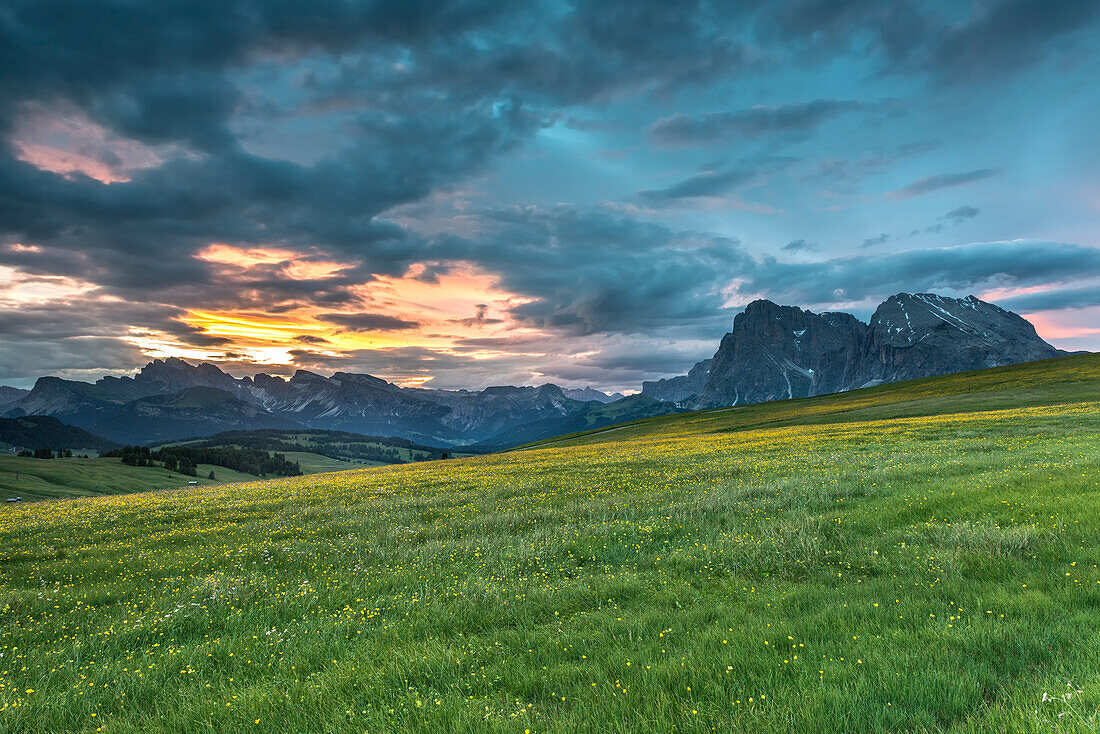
(1006,36)
(367,321)
(800,246)
(158,68)
(956,268)
(797,120)
(962,212)
(928,184)
(997,38)
(169,73)
(717,180)
(598,271)
(453,106)
(586,49)
(824,27)
(1056,298)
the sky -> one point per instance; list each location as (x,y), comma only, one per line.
(479,192)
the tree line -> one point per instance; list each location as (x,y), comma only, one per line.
(333,444)
(48,454)
(185,459)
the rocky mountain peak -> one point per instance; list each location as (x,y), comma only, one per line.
(174,374)
(549,391)
(306,376)
(682,388)
(908,319)
(589,393)
(779,352)
(10,394)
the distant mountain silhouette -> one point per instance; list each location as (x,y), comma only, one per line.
(773,352)
(43,432)
(172,399)
(777,352)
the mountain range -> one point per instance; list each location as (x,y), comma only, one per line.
(776,352)
(171,399)
(43,432)
(773,352)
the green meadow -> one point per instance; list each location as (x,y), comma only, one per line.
(914,557)
(39,479)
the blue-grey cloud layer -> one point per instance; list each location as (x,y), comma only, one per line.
(628,165)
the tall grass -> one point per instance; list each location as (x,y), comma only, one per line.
(935,574)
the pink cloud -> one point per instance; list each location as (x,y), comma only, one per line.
(63,140)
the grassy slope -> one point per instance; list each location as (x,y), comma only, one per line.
(40,479)
(311,441)
(318,464)
(1048,382)
(856,573)
(37,479)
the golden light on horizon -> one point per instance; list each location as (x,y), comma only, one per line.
(18,288)
(1054,325)
(293,263)
(436,312)
(250,327)
(439,311)
(461,311)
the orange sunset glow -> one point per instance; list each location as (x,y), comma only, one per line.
(630,366)
(593,203)
(464,302)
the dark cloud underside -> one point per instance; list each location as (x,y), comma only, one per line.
(612,171)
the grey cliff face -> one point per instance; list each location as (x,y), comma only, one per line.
(776,352)
(679,389)
(145,407)
(9,395)
(924,334)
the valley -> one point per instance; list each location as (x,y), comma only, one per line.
(498,367)
(773,352)
(787,566)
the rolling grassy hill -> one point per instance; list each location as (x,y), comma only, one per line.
(1047,382)
(41,479)
(338,445)
(43,432)
(916,557)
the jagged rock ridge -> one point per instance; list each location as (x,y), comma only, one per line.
(776,352)
(160,403)
(773,352)
(9,395)
(682,388)
(588,393)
